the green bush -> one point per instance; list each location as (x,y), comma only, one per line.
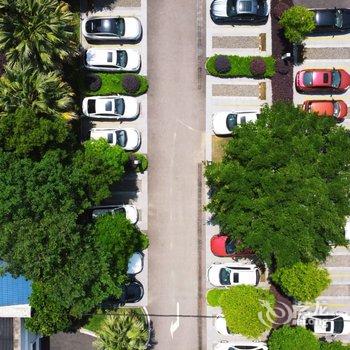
(240,66)
(143,162)
(297,22)
(335,345)
(248,310)
(296,338)
(303,282)
(112,84)
(213,296)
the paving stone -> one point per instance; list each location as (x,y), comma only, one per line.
(337,290)
(315,53)
(128,3)
(237,42)
(338,260)
(235,90)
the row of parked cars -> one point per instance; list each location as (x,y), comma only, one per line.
(118,30)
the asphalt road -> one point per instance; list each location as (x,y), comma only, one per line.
(176,119)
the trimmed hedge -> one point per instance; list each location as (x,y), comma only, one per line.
(213,296)
(240,66)
(112,83)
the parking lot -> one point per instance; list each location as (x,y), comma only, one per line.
(133,189)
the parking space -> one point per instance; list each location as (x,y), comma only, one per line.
(231,94)
(134,187)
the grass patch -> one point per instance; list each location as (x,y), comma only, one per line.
(112,84)
(240,66)
(218,147)
(213,296)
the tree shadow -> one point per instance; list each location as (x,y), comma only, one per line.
(152,340)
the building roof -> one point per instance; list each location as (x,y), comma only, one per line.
(14,291)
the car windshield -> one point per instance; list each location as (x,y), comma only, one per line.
(307,79)
(335,78)
(102,26)
(119,106)
(339,19)
(121,138)
(122,58)
(336,109)
(119,26)
(231,8)
(231,121)
(230,246)
(224,276)
(338,325)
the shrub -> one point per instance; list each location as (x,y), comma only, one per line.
(113,84)
(303,282)
(258,66)
(248,310)
(335,345)
(297,22)
(222,64)
(143,162)
(93,82)
(296,338)
(279,9)
(131,83)
(240,66)
(213,296)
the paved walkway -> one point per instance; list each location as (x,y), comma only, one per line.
(68,341)
(175,149)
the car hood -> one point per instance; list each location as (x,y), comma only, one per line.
(219,8)
(219,123)
(133,28)
(213,275)
(134,60)
(132,107)
(131,213)
(346,19)
(217,245)
(220,325)
(345,79)
(134,139)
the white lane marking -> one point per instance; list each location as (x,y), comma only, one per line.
(175,325)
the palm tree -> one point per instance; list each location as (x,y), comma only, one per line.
(126,331)
(36,31)
(44,93)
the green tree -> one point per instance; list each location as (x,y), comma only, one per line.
(44,93)
(127,331)
(28,134)
(39,33)
(303,282)
(296,338)
(297,22)
(282,186)
(248,309)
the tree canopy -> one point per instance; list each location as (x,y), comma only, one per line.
(303,282)
(282,186)
(296,338)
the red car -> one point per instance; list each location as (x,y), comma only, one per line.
(322,80)
(222,246)
(330,108)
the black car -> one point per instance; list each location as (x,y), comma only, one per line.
(332,20)
(239,11)
(132,293)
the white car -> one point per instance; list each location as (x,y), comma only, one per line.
(231,274)
(111,107)
(112,28)
(112,60)
(347,229)
(240,345)
(128,210)
(224,122)
(135,264)
(325,323)
(221,326)
(127,138)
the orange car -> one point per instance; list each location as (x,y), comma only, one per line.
(330,108)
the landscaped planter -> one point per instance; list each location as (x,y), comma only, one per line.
(232,66)
(121,83)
